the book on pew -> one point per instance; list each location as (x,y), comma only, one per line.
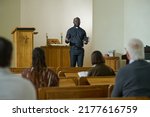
(83,74)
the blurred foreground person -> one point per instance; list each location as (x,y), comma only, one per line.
(134,79)
(12,87)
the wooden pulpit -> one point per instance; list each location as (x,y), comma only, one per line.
(57,55)
(23,46)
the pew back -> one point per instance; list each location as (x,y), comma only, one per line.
(19,70)
(77,92)
(64,82)
(121,98)
(62,70)
(96,80)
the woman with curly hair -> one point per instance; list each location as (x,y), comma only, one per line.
(39,74)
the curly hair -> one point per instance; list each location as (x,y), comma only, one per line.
(38,59)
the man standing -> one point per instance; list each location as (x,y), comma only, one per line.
(76,37)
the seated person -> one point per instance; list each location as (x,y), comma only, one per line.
(133,79)
(100,68)
(39,74)
(12,87)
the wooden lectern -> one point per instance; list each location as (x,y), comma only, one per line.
(23,46)
(57,56)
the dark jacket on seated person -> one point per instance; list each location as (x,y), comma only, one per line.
(133,80)
(99,69)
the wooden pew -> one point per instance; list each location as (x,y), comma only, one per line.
(77,92)
(128,98)
(110,89)
(119,98)
(19,70)
(96,80)
(99,80)
(62,70)
(66,82)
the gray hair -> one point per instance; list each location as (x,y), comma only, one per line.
(135,49)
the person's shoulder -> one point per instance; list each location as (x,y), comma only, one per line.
(103,65)
(72,28)
(124,70)
(51,71)
(26,71)
(81,29)
(27,84)
(20,79)
(21,85)
(92,69)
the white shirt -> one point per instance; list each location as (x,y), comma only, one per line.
(131,61)
(13,87)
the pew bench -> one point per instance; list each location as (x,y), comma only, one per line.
(121,98)
(19,70)
(77,92)
(96,80)
(62,70)
(66,82)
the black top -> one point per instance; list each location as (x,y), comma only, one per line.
(76,36)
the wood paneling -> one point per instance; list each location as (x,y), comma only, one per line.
(112,62)
(77,92)
(62,70)
(23,46)
(57,56)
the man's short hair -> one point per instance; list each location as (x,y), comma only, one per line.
(5,52)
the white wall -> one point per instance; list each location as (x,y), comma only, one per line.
(9,17)
(137,20)
(117,21)
(55,17)
(114,21)
(108,24)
